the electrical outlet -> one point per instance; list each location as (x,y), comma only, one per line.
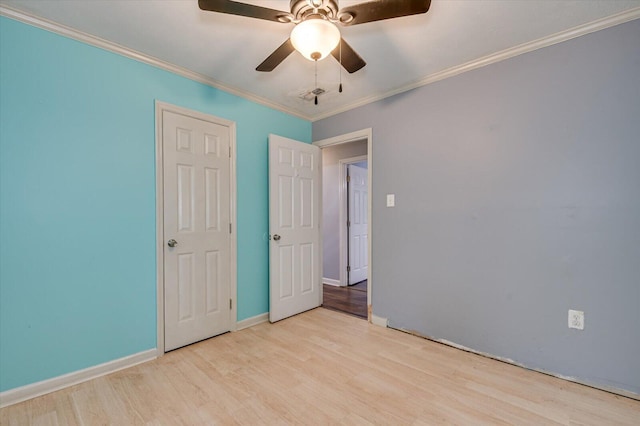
(576,319)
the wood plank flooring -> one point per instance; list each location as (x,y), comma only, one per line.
(351,299)
(324,367)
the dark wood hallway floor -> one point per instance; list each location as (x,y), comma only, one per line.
(351,300)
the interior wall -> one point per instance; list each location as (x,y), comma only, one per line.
(517,199)
(330,203)
(77,200)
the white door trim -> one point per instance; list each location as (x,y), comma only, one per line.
(342,206)
(233,260)
(364,134)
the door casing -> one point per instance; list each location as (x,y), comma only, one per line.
(160,240)
(364,134)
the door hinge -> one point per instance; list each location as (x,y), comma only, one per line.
(230,303)
(348,223)
(229,152)
(348,268)
(230,228)
(348,178)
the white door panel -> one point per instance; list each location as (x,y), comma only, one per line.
(294,212)
(358,229)
(197,216)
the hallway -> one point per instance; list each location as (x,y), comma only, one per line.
(351,300)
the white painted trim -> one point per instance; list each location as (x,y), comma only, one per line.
(617,391)
(358,135)
(379,321)
(511,52)
(321,226)
(343,232)
(332,282)
(23,393)
(233,218)
(366,134)
(250,322)
(600,24)
(233,255)
(89,39)
(159,234)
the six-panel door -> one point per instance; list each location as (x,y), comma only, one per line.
(294,214)
(196,217)
(358,227)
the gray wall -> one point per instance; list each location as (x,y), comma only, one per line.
(331,213)
(517,198)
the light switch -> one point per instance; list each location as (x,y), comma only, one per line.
(391,200)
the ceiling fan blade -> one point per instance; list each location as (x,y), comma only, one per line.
(243,9)
(382,9)
(348,57)
(278,55)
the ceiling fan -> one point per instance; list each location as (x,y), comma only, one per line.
(315,34)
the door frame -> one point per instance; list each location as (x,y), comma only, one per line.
(161,107)
(358,135)
(343,197)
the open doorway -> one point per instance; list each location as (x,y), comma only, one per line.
(346,226)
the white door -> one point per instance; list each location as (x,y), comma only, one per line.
(295,281)
(357,225)
(196,229)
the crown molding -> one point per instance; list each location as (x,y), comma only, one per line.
(560,37)
(69,32)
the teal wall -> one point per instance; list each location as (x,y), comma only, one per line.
(77,206)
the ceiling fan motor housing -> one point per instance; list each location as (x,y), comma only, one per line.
(301,9)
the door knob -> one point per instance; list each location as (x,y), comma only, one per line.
(172,243)
(276,237)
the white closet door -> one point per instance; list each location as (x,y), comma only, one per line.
(196,229)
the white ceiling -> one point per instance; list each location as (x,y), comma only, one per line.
(400,53)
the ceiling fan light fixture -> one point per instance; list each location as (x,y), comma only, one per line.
(315,38)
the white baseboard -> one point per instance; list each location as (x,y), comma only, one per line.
(250,322)
(605,388)
(13,396)
(376,320)
(329,281)
(617,391)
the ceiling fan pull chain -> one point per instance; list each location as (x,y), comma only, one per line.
(340,67)
(316,71)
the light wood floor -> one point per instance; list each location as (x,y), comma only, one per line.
(324,367)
